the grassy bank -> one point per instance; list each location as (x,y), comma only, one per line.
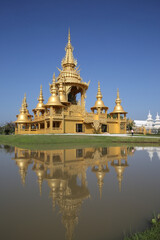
(152,233)
(73,141)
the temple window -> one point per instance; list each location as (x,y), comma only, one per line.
(48,124)
(104,128)
(104,151)
(58,110)
(56,158)
(79,127)
(41,125)
(42,155)
(56,124)
(122,116)
(115,115)
(79,153)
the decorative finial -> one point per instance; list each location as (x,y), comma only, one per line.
(117,93)
(69,36)
(41,99)
(99,94)
(120,185)
(24,103)
(54,78)
(41,91)
(99,85)
(23,176)
(53,89)
(40,180)
(118,100)
(100,186)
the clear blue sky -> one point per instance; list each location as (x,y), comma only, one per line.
(115,42)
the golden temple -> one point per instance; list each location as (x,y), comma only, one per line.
(63,113)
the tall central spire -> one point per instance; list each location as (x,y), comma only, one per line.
(69,36)
(68,60)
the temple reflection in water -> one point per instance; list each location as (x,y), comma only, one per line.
(65,172)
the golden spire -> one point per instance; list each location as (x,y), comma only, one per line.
(117,93)
(62,93)
(24,115)
(120,167)
(69,60)
(40,180)
(54,98)
(23,175)
(99,94)
(100,174)
(99,103)
(100,185)
(69,36)
(53,85)
(25,105)
(23,166)
(118,108)
(118,100)
(41,99)
(40,104)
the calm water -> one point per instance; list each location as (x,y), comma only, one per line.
(89,194)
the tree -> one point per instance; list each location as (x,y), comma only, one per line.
(7,128)
(130,124)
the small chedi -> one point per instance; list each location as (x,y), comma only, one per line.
(63,113)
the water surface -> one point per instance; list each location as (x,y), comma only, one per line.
(89,194)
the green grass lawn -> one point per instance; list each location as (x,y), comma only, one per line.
(152,233)
(73,141)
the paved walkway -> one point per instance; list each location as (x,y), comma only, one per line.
(106,135)
(95,135)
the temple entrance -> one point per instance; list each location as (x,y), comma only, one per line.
(74,95)
(79,128)
(104,128)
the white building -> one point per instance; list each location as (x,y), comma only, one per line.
(149,123)
(157,122)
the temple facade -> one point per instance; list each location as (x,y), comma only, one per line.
(63,113)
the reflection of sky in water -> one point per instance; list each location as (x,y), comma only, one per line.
(77,194)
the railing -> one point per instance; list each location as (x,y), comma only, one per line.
(103,116)
(39,118)
(58,115)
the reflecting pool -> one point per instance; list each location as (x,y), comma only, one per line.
(74,194)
